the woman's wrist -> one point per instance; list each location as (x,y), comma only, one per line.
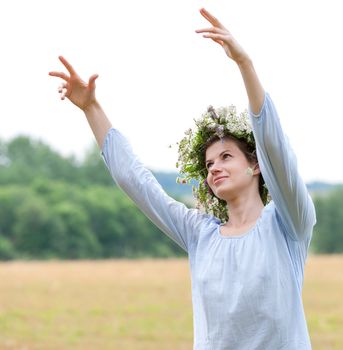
(98,121)
(91,108)
(245,63)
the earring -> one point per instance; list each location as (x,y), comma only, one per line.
(249,171)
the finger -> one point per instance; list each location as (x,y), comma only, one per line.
(59,75)
(215,37)
(63,94)
(66,64)
(213,20)
(91,81)
(62,86)
(212,30)
(62,89)
(207,15)
(220,42)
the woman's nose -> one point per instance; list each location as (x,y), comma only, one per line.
(215,168)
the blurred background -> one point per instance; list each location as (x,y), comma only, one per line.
(62,219)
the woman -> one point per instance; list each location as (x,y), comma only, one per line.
(247,271)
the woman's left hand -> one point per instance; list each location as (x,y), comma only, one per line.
(224,38)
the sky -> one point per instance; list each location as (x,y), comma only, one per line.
(156,74)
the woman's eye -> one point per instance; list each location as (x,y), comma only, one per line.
(226,155)
(208,165)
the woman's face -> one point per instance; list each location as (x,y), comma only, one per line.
(228,174)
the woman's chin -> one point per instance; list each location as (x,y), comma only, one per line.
(221,195)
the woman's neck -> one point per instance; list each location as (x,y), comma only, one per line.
(244,211)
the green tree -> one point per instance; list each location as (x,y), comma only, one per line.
(11,198)
(7,251)
(328,232)
(79,242)
(36,230)
(23,159)
(57,207)
(122,229)
(93,169)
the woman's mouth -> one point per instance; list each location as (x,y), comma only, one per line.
(219,179)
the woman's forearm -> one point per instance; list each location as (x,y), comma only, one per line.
(252,84)
(98,122)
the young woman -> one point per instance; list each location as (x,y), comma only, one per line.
(247,269)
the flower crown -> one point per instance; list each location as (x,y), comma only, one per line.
(214,124)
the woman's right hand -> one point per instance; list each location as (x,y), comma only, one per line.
(79,92)
(224,38)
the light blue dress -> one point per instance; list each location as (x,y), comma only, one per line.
(246,290)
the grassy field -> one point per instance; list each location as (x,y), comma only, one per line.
(133,305)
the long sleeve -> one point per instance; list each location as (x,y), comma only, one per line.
(278,165)
(173,218)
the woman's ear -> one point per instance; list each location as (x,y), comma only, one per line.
(256,169)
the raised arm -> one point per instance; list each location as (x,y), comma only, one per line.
(276,158)
(82,95)
(174,218)
(224,38)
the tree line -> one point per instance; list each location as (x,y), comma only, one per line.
(52,206)
(328,232)
(62,207)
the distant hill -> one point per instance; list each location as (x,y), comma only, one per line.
(321,186)
(168,182)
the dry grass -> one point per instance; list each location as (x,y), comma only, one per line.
(140,305)
(95,305)
(323,301)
